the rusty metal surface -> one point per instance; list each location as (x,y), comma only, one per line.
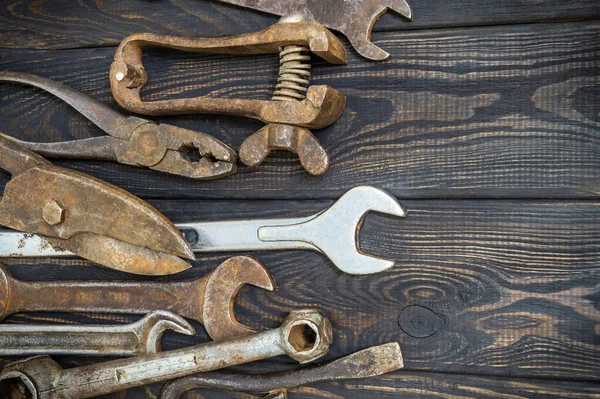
(208,299)
(296,139)
(293,109)
(132,339)
(304,336)
(369,362)
(87,216)
(132,140)
(353,18)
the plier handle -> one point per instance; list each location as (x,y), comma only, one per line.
(132,140)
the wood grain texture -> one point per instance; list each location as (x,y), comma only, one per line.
(499,112)
(499,288)
(67,24)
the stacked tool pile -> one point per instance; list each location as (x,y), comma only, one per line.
(191,209)
(61,212)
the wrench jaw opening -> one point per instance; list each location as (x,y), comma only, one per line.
(359,33)
(221,290)
(307,335)
(335,231)
(151,328)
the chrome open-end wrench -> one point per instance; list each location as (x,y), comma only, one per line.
(207,299)
(333,232)
(304,336)
(132,339)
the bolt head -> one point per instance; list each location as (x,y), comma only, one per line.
(53,213)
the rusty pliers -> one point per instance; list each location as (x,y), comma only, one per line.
(132,140)
(87,216)
(293,109)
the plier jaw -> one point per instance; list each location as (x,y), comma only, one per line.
(87,216)
(176,150)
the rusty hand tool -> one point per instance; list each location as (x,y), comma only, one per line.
(353,18)
(132,140)
(208,299)
(304,336)
(88,217)
(291,111)
(333,232)
(369,362)
(133,339)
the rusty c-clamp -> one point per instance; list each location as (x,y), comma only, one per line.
(293,108)
(87,216)
(132,140)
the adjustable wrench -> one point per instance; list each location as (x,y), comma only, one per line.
(304,336)
(333,232)
(132,339)
(208,299)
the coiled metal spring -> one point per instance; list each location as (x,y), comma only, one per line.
(294,74)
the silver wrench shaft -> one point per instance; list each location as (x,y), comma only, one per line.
(132,339)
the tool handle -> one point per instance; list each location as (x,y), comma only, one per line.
(94,148)
(238,235)
(133,297)
(101,115)
(16,159)
(28,340)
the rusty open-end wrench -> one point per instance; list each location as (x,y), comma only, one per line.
(353,18)
(304,336)
(332,232)
(131,339)
(208,299)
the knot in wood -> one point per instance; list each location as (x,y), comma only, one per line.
(420,322)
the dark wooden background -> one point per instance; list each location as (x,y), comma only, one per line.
(485,123)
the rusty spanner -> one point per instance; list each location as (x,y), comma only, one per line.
(293,108)
(87,216)
(208,299)
(304,336)
(353,18)
(132,140)
(333,232)
(132,339)
(369,362)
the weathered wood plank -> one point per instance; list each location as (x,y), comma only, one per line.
(67,24)
(504,288)
(467,113)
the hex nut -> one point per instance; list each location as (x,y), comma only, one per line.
(53,213)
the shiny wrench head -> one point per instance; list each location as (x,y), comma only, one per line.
(150,329)
(221,289)
(334,231)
